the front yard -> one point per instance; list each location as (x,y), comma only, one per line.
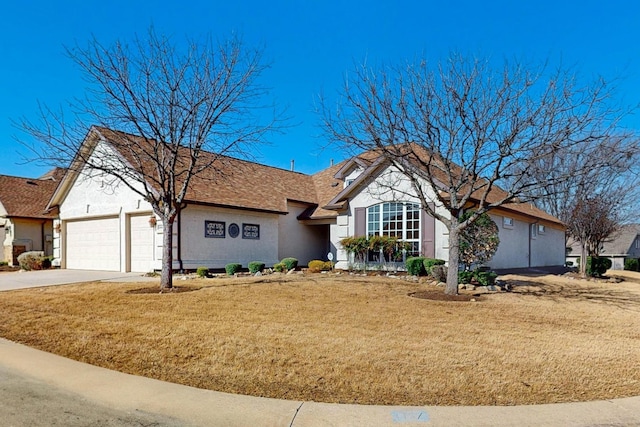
(349,339)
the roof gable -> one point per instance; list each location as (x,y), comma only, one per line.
(27,197)
(376,164)
(230,182)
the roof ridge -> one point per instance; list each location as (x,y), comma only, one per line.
(226,156)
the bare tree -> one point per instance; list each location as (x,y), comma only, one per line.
(471,134)
(177,107)
(592,221)
(597,201)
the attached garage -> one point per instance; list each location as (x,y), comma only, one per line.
(93,244)
(141,244)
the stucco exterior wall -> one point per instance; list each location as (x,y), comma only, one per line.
(517,247)
(305,242)
(390,186)
(32,234)
(521,247)
(91,197)
(548,248)
(200,251)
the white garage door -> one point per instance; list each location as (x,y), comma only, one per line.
(93,244)
(141,244)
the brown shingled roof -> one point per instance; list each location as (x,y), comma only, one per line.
(248,185)
(27,197)
(417,155)
(231,182)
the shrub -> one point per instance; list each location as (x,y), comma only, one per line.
(439,272)
(317,266)
(280,267)
(32,260)
(202,271)
(232,268)
(357,246)
(415,266)
(430,262)
(485,278)
(631,264)
(3,263)
(465,276)
(289,263)
(256,266)
(597,266)
(479,241)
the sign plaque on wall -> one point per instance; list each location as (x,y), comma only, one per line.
(214,229)
(251,231)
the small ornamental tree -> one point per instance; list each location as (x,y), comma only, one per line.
(358,246)
(479,241)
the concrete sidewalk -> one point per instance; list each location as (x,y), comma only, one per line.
(77,394)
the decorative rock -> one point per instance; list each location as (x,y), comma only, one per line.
(258,274)
(291,272)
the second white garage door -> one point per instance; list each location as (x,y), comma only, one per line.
(141,244)
(93,244)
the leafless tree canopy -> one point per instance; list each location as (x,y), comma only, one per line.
(480,135)
(171,103)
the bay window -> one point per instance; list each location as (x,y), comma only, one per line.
(394,219)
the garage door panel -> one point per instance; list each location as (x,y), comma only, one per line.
(93,244)
(142,247)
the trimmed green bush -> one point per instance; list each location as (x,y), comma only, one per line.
(202,271)
(3,263)
(33,260)
(465,276)
(280,267)
(430,262)
(631,264)
(232,268)
(256,266)
(415,266)
(485,278)
(290,263)
(317,266)
(597,266)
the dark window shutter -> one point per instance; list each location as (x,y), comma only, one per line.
(360,222)
(428,234)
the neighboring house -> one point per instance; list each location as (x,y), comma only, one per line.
(244,211)
(25,225)
(622,245)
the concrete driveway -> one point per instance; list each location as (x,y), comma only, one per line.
(34,279)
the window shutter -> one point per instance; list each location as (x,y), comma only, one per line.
(428,234)
(360,222)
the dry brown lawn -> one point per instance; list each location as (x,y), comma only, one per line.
(349,339)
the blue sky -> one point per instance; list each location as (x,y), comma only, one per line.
(311,45)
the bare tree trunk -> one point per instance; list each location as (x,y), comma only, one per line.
(583,260)
(166,277)
(454,260)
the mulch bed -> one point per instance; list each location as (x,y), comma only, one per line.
(6,268)
(156,290)
(441,296)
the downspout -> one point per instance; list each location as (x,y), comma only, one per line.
(530,237)
(179,239)
(42,243)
